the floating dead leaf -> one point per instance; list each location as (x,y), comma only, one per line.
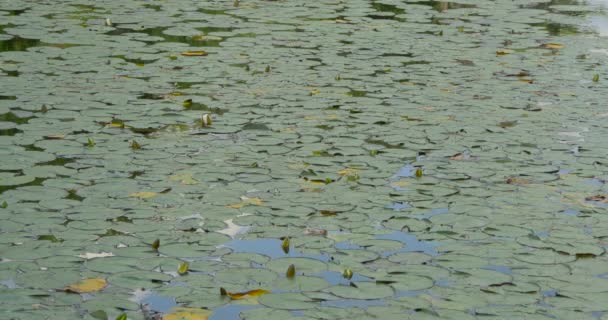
(329,212)
(90,255)
(87,285)
(285,245)
(597,198)
(243,295)
(245,202)
(515,180)
(199,53)
(507,124)
(54,136)
(291,271)
(503,52)
(183,313)
(458,156)
(552,46)
(143,195)
(530,81)
(315,232)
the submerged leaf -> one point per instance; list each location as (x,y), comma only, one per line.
(291,271)
(49,237)
(285,245)
(183,268)
(87,285)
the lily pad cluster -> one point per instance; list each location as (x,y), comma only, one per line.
(316,160)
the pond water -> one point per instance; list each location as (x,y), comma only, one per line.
(364,159)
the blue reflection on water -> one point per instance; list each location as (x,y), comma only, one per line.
(412,244)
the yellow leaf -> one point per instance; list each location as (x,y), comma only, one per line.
(183,268)
(348,171)
(194,53)
(143,195)
(503,52)
(184,179)
(552,46)
(87,285)
(247,294)
(245,202)
(347,274)
(183,313)
(419,172)
(514,180)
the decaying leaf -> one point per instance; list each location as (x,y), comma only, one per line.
(143,194)
(90,255)
(552,46)
(348,171)
(315,232)
(419,172)
(458,156)
(87,285)
(183,313)
(156,244)
(597,198)
(515,180)
(291,271)
(245,202)
(54,136)
(285,245)
(198,53)
(503,52)
(243,295)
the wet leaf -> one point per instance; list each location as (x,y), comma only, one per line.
(87,286)
(183,268)
(198,53)
(285,245)
(156,244)
(291,271)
